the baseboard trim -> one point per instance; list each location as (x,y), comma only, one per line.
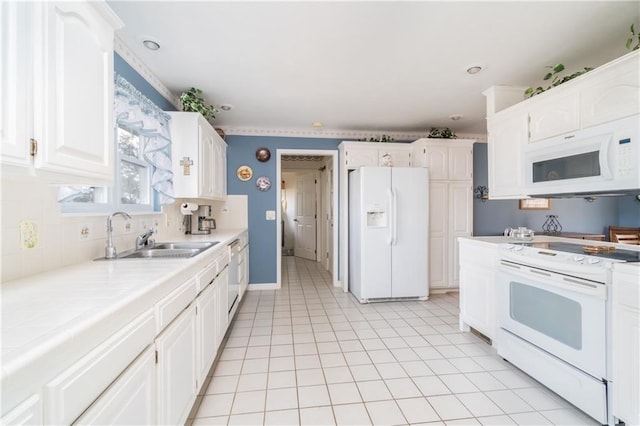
(444,290)
(262,286)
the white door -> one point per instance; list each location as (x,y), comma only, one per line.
(305,221)
(410,232)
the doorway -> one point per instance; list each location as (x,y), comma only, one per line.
(307,208)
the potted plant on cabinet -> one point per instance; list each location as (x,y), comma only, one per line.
(192,101)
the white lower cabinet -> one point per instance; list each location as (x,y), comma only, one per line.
(477,286)
(626,343)
(176,371)
(69,394)
(207,310)
(131,399)
(28,412)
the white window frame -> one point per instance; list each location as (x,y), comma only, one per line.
(113,192)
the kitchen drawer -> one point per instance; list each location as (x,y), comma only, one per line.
(204,277)
(71,392)
(28,412)
(222,260)
(171,306)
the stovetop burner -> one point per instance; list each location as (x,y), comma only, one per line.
(617,254)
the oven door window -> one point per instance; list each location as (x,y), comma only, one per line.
(570,167)
(549,313)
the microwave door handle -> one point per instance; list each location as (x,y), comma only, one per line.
(605,156)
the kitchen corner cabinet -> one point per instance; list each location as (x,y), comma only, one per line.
(450,164)
(199,157)
(56,85)
(477,286)
(626,343)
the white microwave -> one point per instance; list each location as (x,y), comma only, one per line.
(603,159)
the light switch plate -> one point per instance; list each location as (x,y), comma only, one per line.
(271,215)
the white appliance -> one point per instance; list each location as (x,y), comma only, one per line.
(603,159)
(554,319)
(234,284)
(388,233)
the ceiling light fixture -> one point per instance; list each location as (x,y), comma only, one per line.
(151,45)
(475,69)
(456,117)
(226,107)
(317,124)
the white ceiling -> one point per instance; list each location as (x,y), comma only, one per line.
(375,66)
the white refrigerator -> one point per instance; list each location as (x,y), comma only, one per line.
(388,233)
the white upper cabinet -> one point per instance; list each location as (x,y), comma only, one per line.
(58,83)
(199,157)
(447,159)
(607,93)
(507,135)
(614,94)
(359,154)
(553,116)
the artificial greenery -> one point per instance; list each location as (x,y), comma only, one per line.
(557,80)
(443,133)
(382,138)
(192,101)
(635,38)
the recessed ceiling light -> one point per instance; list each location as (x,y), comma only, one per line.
(226,107)
(456,117)
(317,124)
(151,45)
(474,69)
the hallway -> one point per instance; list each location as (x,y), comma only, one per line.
(310,354)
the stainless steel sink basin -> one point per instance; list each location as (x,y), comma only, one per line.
(169,250)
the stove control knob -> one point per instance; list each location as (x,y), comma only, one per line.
(577,258)
(593,260)
(518,248)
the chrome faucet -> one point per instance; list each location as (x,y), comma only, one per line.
(143,239)
(110,250)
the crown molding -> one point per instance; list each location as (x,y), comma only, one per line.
(135,62)
(336,134)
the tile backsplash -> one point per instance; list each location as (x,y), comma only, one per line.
(37,237)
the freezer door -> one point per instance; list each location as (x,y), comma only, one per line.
(410,229)
(370,232)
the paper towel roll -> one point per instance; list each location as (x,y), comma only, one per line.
(188,208)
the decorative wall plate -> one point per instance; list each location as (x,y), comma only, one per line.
(263,183)
(263,154)
(244,173)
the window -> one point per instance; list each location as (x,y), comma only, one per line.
(143,176)
(131,191)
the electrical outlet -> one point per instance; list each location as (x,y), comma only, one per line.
(271,215)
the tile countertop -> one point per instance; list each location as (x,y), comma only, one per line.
(48,317)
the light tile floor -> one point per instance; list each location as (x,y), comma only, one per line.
(311,354)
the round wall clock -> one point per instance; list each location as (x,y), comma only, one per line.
(244,173)
(263,183)
(263,154)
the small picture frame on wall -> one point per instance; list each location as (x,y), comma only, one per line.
(535,204)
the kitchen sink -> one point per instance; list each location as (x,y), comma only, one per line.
(168,250)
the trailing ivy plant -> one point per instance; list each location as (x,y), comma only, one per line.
(556,80)
(192,101)
(634,38)
(444,133)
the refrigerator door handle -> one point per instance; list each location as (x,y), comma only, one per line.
(394,215)
(391,217)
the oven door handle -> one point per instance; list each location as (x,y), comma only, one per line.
(554,280)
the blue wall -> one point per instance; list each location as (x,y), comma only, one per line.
(121,67)
(574,214)
(241,150)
